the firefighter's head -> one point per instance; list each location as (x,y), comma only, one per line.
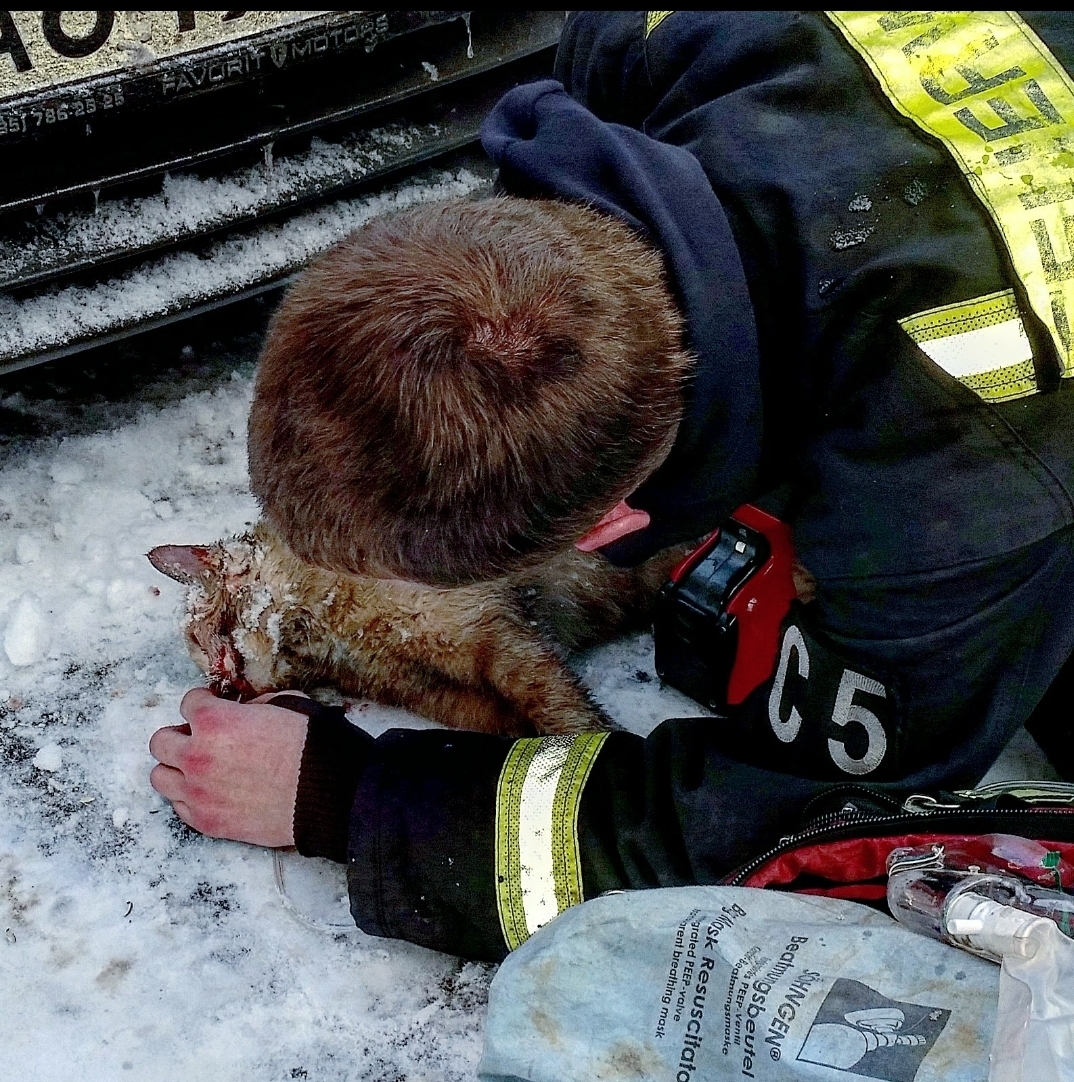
(455,391)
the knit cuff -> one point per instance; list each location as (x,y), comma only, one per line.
(333,759)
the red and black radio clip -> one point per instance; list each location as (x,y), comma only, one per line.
(717,621)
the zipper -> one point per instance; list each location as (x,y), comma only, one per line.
(835,825)
(922,804)
(1050,792)
(848,793)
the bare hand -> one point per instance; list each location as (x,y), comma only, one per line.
(232,770)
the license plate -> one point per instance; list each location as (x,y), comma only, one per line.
(50,49)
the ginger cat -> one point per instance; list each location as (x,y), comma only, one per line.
(486,657)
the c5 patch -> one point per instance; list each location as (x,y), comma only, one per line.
(982,343)
(826,716)
(985,86)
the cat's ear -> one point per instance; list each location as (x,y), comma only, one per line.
(184,563)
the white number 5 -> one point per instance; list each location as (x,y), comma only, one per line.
(846,711)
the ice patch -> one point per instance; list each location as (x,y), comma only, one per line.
(860,203)
(26,639)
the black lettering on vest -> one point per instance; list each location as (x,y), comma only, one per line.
(1012,124)
(899,20)
(11,42)
(976,84)
(1055,269)
(1062,324)
(923,41)
(76,48)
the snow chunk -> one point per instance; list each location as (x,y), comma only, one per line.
(26,640)
(120,594)
(842,239)
(915,191)
(49,758)
(27,549)
(119,817)
(67,473)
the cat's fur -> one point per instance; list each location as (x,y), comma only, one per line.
(487,656)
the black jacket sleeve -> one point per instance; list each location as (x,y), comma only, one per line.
(333,759)
(424,863)
(421,860)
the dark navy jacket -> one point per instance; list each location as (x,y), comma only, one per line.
(800,217)
(928,516)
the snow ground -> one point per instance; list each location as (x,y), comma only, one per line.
(131,947)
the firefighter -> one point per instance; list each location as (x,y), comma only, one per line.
(865,222)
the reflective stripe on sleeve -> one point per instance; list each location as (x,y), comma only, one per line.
(982,343)
(989,90)
(538,867)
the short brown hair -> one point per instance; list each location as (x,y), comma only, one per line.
(452,391)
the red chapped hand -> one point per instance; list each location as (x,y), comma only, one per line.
(232,770)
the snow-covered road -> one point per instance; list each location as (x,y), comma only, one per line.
(131,948)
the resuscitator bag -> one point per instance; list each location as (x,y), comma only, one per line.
(718,983)
(1034,1038)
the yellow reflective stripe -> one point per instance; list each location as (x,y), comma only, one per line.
(566,857)
(963,316)
(653,19)
(1001,384)
(508,875)
(538,865)
(987,87)
(981,342)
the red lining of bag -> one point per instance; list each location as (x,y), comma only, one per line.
(853,861)
(856,892)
